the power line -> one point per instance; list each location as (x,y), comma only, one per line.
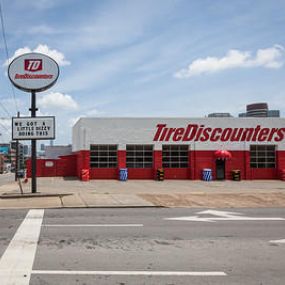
(4,127)
(7,54)
(4,108)
(3,32)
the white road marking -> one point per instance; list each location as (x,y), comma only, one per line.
(277,241)
(93,225)
(132,273)
(17,261)
(219,213)
(211,220)
(222,216)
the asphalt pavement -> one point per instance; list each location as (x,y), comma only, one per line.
(143,246)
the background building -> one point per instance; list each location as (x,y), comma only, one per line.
(8,152)
(219,115)
(259,110)
(55,151)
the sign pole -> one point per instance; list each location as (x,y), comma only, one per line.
(34,145)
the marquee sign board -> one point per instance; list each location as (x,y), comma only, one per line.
(33,72)
(27,128)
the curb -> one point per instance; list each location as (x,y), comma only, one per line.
(32,195)
(81,207)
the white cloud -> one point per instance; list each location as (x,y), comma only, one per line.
(56,100)
(268,58)
(53,53)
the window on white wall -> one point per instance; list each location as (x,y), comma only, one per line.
(262,156)
(139,156)
(103,156)
(175,156)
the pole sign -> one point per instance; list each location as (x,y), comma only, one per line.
(33,72)
(38,128)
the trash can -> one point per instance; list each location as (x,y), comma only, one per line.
(236,175)
(123,174)
(160,174)
(85,174)
(207,174)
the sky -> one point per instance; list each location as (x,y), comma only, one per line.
(145,58)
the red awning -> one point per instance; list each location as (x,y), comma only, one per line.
(223,154)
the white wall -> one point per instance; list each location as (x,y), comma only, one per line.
(122,131)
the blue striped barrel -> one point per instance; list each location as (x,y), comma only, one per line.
(207,174)
(123,174)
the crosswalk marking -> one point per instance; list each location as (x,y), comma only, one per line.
(17,261)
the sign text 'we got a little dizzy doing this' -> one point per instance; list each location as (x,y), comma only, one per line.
(39,128)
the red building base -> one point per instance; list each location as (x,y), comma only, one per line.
(72,165)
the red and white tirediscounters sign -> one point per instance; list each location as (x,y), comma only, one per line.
(33,72)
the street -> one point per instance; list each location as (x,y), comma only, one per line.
(142,246)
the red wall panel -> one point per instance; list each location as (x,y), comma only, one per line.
(64,166)
(72,165)
(157,159)
(264,173)
(157,162)
(104,173)
(280,159)
(141,173)
(177,173)
(48,171)
(122,158)
(203,159)
(82,161)
(237,162)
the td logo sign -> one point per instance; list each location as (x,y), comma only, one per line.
(33,65)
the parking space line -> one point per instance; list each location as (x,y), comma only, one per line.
(17,261)
(92,225)
(132,273)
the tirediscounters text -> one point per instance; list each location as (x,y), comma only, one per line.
(195,132)
(33,76)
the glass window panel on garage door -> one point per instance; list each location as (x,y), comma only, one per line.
(175,156)
(262,156)
(139,156)
(103,156)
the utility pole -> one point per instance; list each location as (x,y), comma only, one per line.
(17,155)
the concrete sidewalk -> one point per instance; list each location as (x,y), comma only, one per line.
(59,192)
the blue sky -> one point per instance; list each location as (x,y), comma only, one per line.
(178,58)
